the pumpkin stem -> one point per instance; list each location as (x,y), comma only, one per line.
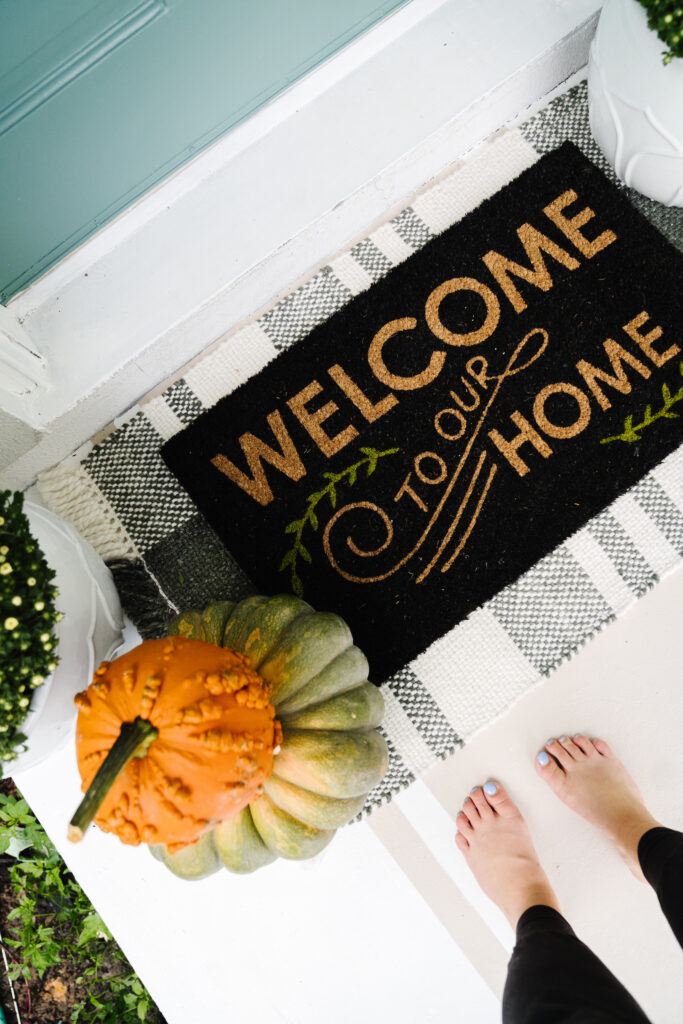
(133,741)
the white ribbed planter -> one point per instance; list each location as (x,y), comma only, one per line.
(89,633)
(636,103)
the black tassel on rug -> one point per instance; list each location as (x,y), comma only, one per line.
(142,601)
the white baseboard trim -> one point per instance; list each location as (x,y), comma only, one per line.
(277,198)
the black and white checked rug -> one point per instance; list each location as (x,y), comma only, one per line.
(125,501)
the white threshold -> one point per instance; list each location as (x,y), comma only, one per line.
(272,201)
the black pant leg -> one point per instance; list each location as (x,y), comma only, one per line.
(553,978)
(660,852)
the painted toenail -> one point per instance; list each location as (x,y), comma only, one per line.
(474,789)
(577,737)
(563,739)
(543,758)
(548,742)
(490,788)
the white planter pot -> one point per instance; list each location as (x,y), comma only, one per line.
(89,633)
(636,103)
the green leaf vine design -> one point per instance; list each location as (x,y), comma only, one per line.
(371,457)
(631,431)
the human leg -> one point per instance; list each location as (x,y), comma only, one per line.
(660,854)
(554,978)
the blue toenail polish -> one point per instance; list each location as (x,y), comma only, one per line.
(490,788)
(474,789)
(548,742)
(543,758)
(563,739)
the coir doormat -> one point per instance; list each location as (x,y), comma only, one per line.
(448,427)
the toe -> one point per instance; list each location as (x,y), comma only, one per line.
(583,743)
(603,748)
(463,823)
(478,798)
(461,842)
(470,810)
(555,748)
(499,799)
(573,749)
(549,770)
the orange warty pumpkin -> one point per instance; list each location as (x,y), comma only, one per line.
(191,734)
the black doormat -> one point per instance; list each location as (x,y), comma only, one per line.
(449,426)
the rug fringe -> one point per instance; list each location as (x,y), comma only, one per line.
(72,494)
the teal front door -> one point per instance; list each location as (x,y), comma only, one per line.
(102,99)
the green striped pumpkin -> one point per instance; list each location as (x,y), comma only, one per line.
(331,754)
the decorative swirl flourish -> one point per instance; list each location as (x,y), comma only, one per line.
(297,526)
(351,543)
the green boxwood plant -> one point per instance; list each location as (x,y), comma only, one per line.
(27,620)
(665,17)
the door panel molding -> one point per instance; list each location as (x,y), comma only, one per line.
(86,42)
(94,134)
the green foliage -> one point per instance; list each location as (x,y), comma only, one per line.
(371,457)
(54,922)
(665,17)
(632,431)
(27,618)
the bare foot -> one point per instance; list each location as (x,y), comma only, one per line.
(590,779)
(495,840)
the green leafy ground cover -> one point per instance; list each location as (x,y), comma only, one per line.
(64,964)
